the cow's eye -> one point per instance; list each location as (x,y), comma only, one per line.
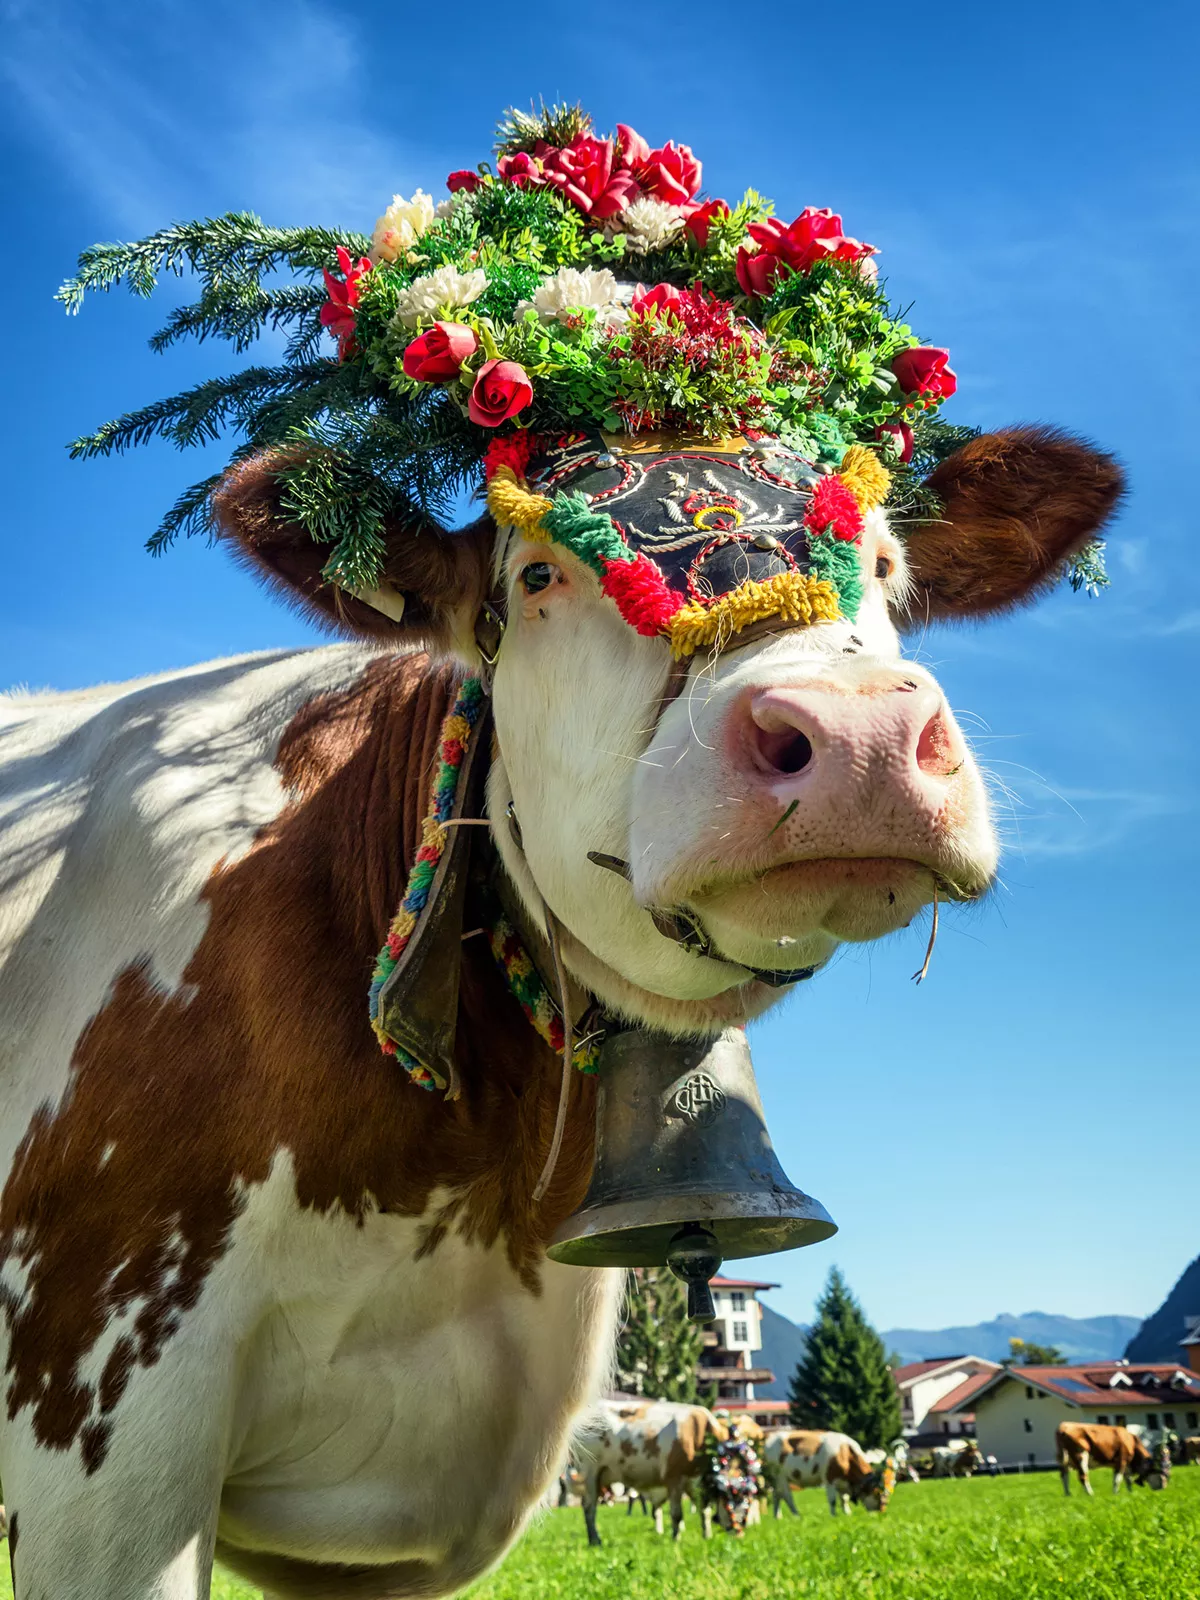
(883,567)
(537,576)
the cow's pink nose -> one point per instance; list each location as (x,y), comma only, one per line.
(901,725)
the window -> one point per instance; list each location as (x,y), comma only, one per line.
(1168,1419)
(1028,1429)
(1193,1421)
(1119,1419)
(739,1333)
(1032,1459)
(945,1427)
(1151,1420)
(1029,1391)
(1103,1421)
(738,1299)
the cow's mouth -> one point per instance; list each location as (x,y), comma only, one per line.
(785,913)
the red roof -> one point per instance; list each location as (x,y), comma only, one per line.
(1091,1386)
(965,1390)
(740,1283)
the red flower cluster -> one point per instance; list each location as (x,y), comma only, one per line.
(337,314)
(710,325)
(924,371)
(603,176)
(814,236)
(834,510)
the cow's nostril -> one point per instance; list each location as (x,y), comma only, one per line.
(937,749)
(786,750)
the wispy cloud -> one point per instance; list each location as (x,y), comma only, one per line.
(153,125)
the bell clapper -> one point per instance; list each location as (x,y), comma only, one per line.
(694,1256)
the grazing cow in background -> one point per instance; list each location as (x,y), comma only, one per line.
(799,1458)
(1189,1449)
(956,1460)
(654,1446)
(1080,1444)
(247,1270)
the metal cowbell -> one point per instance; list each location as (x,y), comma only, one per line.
(685,1172)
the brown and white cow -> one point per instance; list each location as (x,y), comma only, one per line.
(263,1298)
(654,1446)
(959,1460)
(1079,1445)
(807,1458)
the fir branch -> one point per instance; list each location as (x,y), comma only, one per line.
(191,514)
(556,124)
(237,244)
(240,310)
(1088,571)
(199,415)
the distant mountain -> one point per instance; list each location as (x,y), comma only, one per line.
(783,1345)
(1158,1337)
(1079,1338)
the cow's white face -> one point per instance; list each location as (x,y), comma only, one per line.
(803,790)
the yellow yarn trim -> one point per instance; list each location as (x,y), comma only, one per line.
(866,477)
(512,505)
(794,596)
(404,924)
(432,833)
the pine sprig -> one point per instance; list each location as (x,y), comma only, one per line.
(240,310)
(201,414)
(238,244)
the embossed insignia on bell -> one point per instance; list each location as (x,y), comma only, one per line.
(685,1172)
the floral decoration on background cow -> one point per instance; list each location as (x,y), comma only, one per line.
(640,744)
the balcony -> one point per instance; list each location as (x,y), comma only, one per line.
(735,1375)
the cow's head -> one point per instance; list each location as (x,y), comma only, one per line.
(874,1490)
(808,787)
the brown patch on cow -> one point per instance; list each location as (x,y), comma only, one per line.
(840,1465)
(1017,505)
(123,1200)
(627,1448)
(650,1445)
(1105,1444)
(444,578)
(686,1453)
(632,1413)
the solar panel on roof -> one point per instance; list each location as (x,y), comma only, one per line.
(1073,1384)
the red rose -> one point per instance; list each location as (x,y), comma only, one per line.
(337,314)
(502,388)
(662,298)
(631,147)
(584,173)
(520,169)
(470,181)
(924,371)
(671,174)
(816,235)
(700,220)
(899,435)
(439,354)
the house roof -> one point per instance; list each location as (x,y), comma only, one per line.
(740,1283)
(913,1370)
(971,1386)
(1091,1387)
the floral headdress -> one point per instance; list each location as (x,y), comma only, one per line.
(582,286)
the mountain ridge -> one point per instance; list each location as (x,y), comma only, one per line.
(1080,1339)
(1158,1337)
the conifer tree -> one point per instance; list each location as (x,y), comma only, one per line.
(658,1348)
(843,1381)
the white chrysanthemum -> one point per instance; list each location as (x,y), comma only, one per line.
(446,289)
(401,225)
(572,289)
(647,225)
(447,208)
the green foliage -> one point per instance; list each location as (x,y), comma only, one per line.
(556,124)
(1025,1353)
(658,1348)
(843,1381)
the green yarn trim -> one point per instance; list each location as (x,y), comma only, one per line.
(839,561)
(590,534)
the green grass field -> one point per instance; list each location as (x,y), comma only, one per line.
(987,1539)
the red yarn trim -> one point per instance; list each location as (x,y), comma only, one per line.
(642,594)
(834,509)
(513,450)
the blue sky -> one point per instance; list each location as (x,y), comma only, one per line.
(1022,1131)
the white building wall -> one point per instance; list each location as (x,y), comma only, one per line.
(1015,1428)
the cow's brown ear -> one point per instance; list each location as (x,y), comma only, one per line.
(433,582)
(1017,505)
